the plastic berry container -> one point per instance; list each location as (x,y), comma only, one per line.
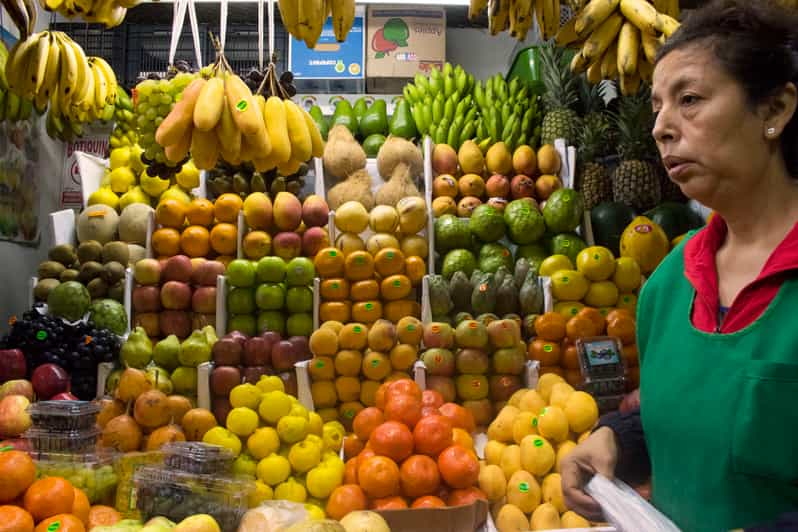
(92,472)
(64,415)
(63,441)
(198,458)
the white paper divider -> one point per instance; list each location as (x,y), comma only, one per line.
(221,305)
(204,385)
(128,298)
(332,232)
(420,374)
(318,178)
(150,230)
(430,240)
(587,229)
(241,230)
(428,177)
(531,374)
(92,170)
(62,227)
(303,392)
(104,370)
(202,190)
(548,297)
(316,303)
(562,151)
(32,282)
(426,310)
(572,165)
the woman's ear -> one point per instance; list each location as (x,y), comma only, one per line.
(780,109)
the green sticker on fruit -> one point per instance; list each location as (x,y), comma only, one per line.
(547,348)
(320,364)
(369,306)
(538,443)
(360,260)
(375,363)
(41,335)
(242,105)
(349,414)
(397,283)
(357,329)
(55,525)
(411,327)
(523,487)
(535,424)
(336,285)
(389,255)
(332,253)
(566,244)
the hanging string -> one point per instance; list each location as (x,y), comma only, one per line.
(192,16)
(271,29)
(178,16)
(223,24)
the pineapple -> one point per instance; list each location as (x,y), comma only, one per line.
(594,179)
(560,120)
(595,113)
(635,181)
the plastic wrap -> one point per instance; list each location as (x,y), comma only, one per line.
(625,509)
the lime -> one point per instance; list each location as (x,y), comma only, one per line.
(245,465)
(292,428)
(304,456)
(270,383)
(299,272)
(271,320)
(270,296)
(263,442)
(243,323)
(274,406)
(273,469)
(223,437)
(596,263)
(299,299)
(553,264)
(602,294)
(241,301)
(242,421)
(568,285)
(627,276)
(323,480)
(271,270)
(241,273)
(299,324)
(246,396)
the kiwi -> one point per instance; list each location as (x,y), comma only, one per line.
(43,287)
(116,252)
(97,288)
(117,291)
(90,270)
(65,254)
(69,275)
(50,269)
(90,251)
(114,271)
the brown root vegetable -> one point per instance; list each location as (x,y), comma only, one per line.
(401,185)
(397,150)
(343,155)
(356,187)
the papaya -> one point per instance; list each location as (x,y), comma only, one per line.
(275,117)
(208,110)
(242,105)
(181,117)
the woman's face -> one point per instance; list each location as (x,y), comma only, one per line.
(711,141)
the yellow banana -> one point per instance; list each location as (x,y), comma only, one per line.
(210,103)
(630,84)
(301,142)
(593,14)
(475,9)
(669,24)
(84,84)
(645,69)
(343,16)
(311,19)
(317,142)
(68,76)
(602,37)
(289,11)
(40,61)
(673,8)
(594,71)
(628,47)
(100,86)
(661,5)
(50,83)
(498,16)
(204,149)
(567,34)
(609,63)
(110,79)
(578,63)
(520,18)
(17,63)
(643,15)
(551,16)
(541,21)
(277,126)
(650,46)
(229,135)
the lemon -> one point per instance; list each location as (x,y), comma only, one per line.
(322,480)
(315,512)
(560,393)
(274,406)
(324,394)
(270,383)
(304,456)
(315,424)
(552,492)
(602,294)
(134,195)
(119,157)
(263,442)
(292,428)
(245,465)
(298,410)
(569,309)
(291,490)
(262,492)
(523,491)
(545,386)
(176,193)
(189,176)
(537,455)
(153,186)
(628,302)
(104,196)
(523,427)
(545,517)
(627,276)
(581,411)
(553,264)
(122,179)
(273,469)
(332,436)
(532,402)
(596,263)
(333,460)
(317,441)
(553,424)
(569,285)
(135,161)
(242,421)
(224,438)
(245,396)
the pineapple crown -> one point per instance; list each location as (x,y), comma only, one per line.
(592,138)
(559,81)
(592,96)
(633,122)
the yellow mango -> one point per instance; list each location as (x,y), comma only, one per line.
(317,142)
(178,151)
(301,143)
(204,149)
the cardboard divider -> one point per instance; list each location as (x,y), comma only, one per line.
(32,282)
(204,385)
(241,230)
(128,299)
(426,310)
(316,303)
(428,177)
(150,230)
(104,370)
(304,394)
(221,305)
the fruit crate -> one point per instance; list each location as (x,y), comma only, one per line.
(64,415)
(177,495)
(69,441)
(92,472)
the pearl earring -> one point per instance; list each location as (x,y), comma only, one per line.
(771,131)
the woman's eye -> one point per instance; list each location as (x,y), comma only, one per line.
(689,99)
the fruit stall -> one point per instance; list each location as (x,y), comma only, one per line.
(266,312)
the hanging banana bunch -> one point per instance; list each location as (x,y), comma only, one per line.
(304,19)
(619,39)
(517,16)
(23,15)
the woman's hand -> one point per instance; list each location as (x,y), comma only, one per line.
(596,455)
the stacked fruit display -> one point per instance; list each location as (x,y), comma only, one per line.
(176,296)
(270,295)
(418,453)
(351,361)
(243,179)
(479,366)
(291,452)
(528,440)
(197,227)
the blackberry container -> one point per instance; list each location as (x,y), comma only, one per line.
(64,415)
(63,441)
(198,458)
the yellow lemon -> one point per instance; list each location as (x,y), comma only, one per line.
(545,517)
(274,469)
(245,396)
(315,512)
(223,437)
(122,179)
(262,492)
(304,456)
(104,196)
(176,193)
(569,309)
(597,263)
(134,195)
(333,436)
(627,276)
(274,406)
(537,455)
(552,491)
(298,410)
(189,176)
(545,386)
(242,421)
(569,285)
(315,440)
(263,442)
(292,428)
(135,162)
(153,186)
(119,157)
(270,383)
(602,294)
(553,264)
(572,519)
(560,392)
(523,491)
(563,450)
(315,424)
(291,490)
(322,480)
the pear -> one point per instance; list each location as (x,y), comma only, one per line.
(210,334)
(136,352)
(167,353)
(195,349)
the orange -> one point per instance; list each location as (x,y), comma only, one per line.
(623,327)
(367,311)
(415,269)
(595,317)
(466,496)
(256,245)
(366,421)
(548,353)
(365,290)
(389,261)
(344,499)
(379,477)
(389,503)
(224,238)
(403,356)
(395,287)
(432,434)
(570,356)
(195,241)
(61,523)
(404,387)
(431,398)
(630,355)
(367,452)
(227,206)
(459,416)
(350,471)
(379,397)
(166,242)
(352,445)
(170,213)
(336,289)
(359,265)
(392,439)
(403,408)
(550,326)
(573,377)
(15,519)
(463,438)
(100,515)
(200,212)
(335,311)
(419,476)
(428,501)
(49,496)
(81,506)
(458,466)
(17,472)
(617,312)
(580,327)
(329,262)
(196,422)
(396,310)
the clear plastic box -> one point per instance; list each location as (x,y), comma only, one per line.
(67,441)
(177,495)
(126,466)
(64,415)
(198,458)
(92,472)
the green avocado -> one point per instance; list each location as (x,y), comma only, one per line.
(375,120)
(344,114)
(402,123)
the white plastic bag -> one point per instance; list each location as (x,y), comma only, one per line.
(625,509)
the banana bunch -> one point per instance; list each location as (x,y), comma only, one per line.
(619,39)
(124,133)
(111,13)
(442,105)
(12,107)
(220,117)
(23,15)
(517,16)
(304,19)
(508,113)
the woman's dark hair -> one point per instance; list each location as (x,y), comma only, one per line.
(756,43)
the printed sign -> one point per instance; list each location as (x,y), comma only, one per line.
(330,59)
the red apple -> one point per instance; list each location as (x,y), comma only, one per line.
(150,322)
(224,379)
(253,374)
(176,295)
(65,396)
(175,322)
(49,380)
(283,355)
(147,299)
(12,365)
(204,300)
(227,352)
(257,352)
(14,417)
(206,273)
(177,268)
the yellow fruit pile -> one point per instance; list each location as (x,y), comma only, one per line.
(292,453)
(220,117)
(351,361)
(528,441)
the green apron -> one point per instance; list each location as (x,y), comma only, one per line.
(719,410)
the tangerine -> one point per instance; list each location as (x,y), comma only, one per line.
(389,261)
(100,515)
(458,466)
(379,477)
(329,262)
(459,416)
(570,356)
(429,411)
(15,519)
(49,496)
(548,353)
(200,212)
(350,471)
(392,439)
(365,290)
(428,501)
(617,312)
(466,496)
(166,242)
(403,408)
(622,327)
(432,398)
(415,269)
(366,421)
(227,206)
(195,241)
(630,355)
(404,387)
(580,327)
(170,213)
(17,473)
(81,506)
(461,437)
(366,453)
(379,397)
(359,266)
(389,503)
(344,499)
(595,316)
(433,434)
(352,445)
(224,238)
(419,476)
(550,326)
(61,523)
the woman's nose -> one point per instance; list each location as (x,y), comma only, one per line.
(664,129)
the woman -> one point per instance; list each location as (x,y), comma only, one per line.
(716,321)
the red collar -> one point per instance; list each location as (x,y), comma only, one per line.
(700,269)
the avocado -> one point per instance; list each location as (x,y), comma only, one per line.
(50,269)
(64,253)
(69,275)
(531,295)
(506,297)
(114,271)
(117,291)
(97,288)
(90,270)
(89,251)
(460,290)
(43,287)
(375,120)
(344,114)
(116,252)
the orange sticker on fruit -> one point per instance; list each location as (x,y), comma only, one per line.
(96,214)
(483,287)
(435,328)
(506,252)
(476,384)
(473,325)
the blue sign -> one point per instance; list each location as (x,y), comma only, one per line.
(330,59)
